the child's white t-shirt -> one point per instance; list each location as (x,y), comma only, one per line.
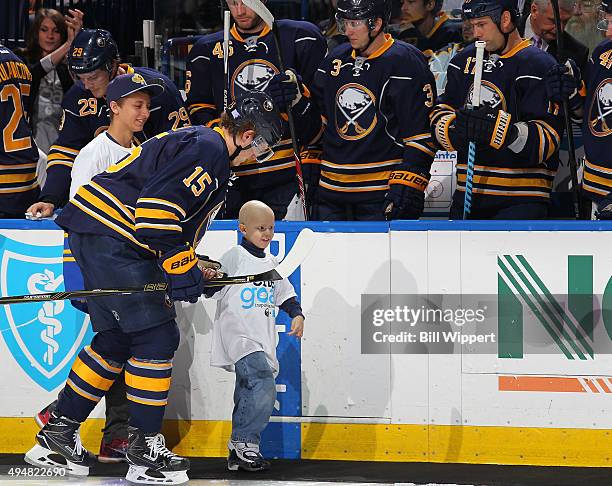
(245,321)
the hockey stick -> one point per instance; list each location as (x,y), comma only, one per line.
(300,250)
(566,115)
(260,9)
(226,29)
(469,177)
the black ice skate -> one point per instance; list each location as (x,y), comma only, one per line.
(151,462)
(245,456)
(59,445)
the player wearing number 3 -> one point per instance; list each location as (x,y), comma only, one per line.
(139,222)
(18,152)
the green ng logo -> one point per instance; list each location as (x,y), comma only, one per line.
(570,326)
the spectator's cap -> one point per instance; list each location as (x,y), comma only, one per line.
(128,84)
(606,6)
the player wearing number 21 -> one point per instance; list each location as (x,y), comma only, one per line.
(376,94)
(18,152)
(139,222)
(93,61)
(515,128)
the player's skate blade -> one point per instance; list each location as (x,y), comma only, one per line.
(41,456)
(144,475)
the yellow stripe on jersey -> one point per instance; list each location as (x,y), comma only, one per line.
(374,176)
(508,181)
(67,164)
(17,167)
(367,165)
(112,197)
(98,203)
(166,227)
(26,177)
(64,149)
(155,214)
(11,190)
(331,187)
(269,169)
(59,156)
(162,202)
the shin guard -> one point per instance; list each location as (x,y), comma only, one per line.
(147,383)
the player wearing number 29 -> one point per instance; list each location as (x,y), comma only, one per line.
(376,94)
(139,222)
(515,128)
(93,60)
(18,152)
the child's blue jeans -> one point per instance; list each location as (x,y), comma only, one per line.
(254,396)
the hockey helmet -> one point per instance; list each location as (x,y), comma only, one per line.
(369,10)
(256,110)
(92,49)
(474,9)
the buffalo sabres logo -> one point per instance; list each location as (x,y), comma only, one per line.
(600,112)
(490,96)
(253,75)
(137,78)
(360,65)
(355,111)
(251,44)
(491,63)
(100,41)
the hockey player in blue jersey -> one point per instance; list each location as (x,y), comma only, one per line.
(93,60)
(376,94)
(516,129)
(591,103)
(139,223)
(18,152)
(253,65)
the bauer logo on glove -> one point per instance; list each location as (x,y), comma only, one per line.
(180,262)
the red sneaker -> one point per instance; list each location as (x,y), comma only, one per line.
(42,417)
(113,451)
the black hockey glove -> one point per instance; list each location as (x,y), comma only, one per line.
(405,198)
(285,89)
(604,208)
(563,81)
(486,126)
(184,277)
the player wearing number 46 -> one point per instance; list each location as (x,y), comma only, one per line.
(18,153)
(244,334)
(376,94)
(515,128)
(253,65)
(93,60)
(137,223)
(593,107)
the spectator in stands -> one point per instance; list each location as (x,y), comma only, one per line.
(427,27)
(48,41)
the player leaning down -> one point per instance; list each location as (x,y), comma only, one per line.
(139,222)
(516,130)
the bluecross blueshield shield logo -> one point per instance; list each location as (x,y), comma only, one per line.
(43,337)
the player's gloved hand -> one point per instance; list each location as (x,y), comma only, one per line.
(563,81)
(604,208)
(405,198)
(486,126)
(184,277)
(285,89)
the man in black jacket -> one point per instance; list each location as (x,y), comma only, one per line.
(539,26)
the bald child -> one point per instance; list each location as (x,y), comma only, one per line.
(244,334)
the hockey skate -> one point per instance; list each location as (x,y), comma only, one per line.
(59,445)
(245,456)
(151,462)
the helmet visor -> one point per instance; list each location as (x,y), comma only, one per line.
(261,149)
(352,23)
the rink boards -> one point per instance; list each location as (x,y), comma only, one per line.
(544,408)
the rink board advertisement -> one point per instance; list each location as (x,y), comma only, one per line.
(542,379)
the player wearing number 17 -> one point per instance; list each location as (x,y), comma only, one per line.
(139,222)
(18,152)
(515,128)
(376,94)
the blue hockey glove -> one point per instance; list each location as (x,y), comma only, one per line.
(184,277)
(486,126)
(405,198)
(563,81)
(285,89)
(604,208)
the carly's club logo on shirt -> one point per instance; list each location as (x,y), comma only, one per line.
(259,295)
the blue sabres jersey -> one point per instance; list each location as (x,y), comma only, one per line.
(377,111)
(85,117)
(18,152)
(252,62)
(163,195)
(597,123)
(444,32)
(514,83)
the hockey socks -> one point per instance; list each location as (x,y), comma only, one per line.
(147,383)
